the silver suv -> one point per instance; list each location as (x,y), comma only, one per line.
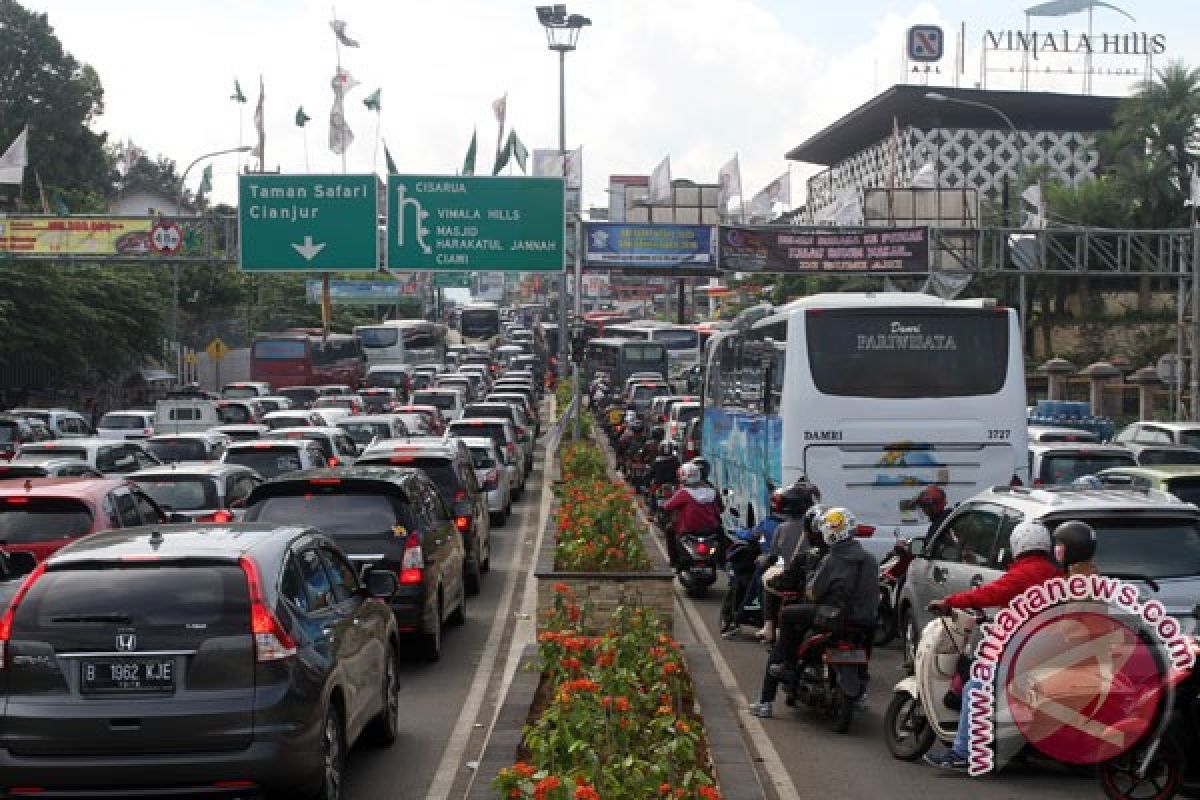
(1140,533)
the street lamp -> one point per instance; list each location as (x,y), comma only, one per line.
(177,347)
(562,35)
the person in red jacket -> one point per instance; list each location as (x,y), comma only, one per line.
(1033,563)
(695,508)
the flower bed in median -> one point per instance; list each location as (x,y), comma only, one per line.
(596,527)
(614,715)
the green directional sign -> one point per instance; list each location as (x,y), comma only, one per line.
(452,280)
(308,223)
(439,222)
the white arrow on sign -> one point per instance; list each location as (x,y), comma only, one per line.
(308,249)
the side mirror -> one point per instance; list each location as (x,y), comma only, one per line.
(20,564)
(916,546)
(382,584)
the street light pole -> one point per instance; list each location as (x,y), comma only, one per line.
(176,345)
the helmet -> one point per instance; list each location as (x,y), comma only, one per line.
(637,424)
(811,517)
(798,498)
(777,501)
(837,525)
(931,500)
(1030,537)
(701,464)
(667,450)
(1074,542)
(689,474)
(657,433)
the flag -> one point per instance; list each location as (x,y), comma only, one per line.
(301,117)
(260,149)
(547,164)
(339,30)
(469,162)
(1194,187)
(391,165)
(503,154)
(895,153)
(1033,196)
(846,209)
(762,205)
(15,159)
(500,109)
(372,101)
(131,155)
(925,177)
(342,81)
(660,183)
(517,150)
(238,95)
(340,135)
(574,168)
(729,184)
(205,180)
(60,205)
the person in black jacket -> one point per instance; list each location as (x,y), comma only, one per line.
(793,535)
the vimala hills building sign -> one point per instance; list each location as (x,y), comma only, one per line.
(1038,44)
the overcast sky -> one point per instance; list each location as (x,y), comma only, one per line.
(696,79)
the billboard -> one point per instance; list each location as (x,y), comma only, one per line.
(77,236)
(365,292)
(797,250)
(676,250)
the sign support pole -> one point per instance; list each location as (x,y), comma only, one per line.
(579,316)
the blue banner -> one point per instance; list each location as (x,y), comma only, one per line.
(649,249)
(365,292)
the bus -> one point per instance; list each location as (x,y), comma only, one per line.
(303,357)
(872,397)
(595,323)
(682,342)
(403,341)
(479,322)
(620,358)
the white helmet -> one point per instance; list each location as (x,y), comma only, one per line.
(689,474)
(837,525)
(1028,537)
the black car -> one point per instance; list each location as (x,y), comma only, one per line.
(388,518)
(194,660)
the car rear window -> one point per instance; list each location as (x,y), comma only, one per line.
(11,472)
(439,470)
(346,513)
(8,430)
(302,395)
(1186,489)
(364,432)
(1154,548)
(54,450)
(169,450)
(268,461)
(504,410)
(443,400)
(688,414)
(180,492)
(1150,458)
(1063,468)
(298,421)
(122,421)
(492,430)
(239,391)
(234,415)
(481,458)
(24,520)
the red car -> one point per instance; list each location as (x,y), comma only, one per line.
(41,515)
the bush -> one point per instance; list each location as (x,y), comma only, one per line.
(597,528)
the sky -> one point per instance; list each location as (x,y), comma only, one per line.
(698,80)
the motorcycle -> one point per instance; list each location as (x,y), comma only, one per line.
(741,606)
(831,674)
(892,571)
(697,568)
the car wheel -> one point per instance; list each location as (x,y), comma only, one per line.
(385,727)
(459,615)
(497,518)
(429,645)
(472,575)
(487,559)
(333,757)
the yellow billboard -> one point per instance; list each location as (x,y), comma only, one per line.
(77,236)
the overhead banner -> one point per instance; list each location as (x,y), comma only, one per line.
(796,250)
(78,236)
(365,292)
(681,250)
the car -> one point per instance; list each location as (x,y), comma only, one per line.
(335,443)
(272,458)
(1183,481)
(62,422)
(171,447)
(301,396)
(432,415)
(469,385)
(292,418)
(109,456)
(243,411)
(450,401)
(448,463)
(1049,433)
(1187,433)
(693,435)
(47,467)
(484,372)
(40,515)
(521,426)
(520,400)
(389,376)
(1154,455)
(330,415)
(491,476)
(240,389)
(350,403)
(1140,534)
(241,433)
(185,412)
(14,432)
(678,418)
(199,492)
(334,389)
(232,659)
(385,518)
(504,386)
(504,434)
(642,393)
(274,402)
(366,428)
(418,424)
(126,425)
(378,400)
(1061,463)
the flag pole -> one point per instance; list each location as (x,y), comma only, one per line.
(337,49)
(304,137)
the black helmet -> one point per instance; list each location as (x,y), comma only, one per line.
(1074,542)
(637,424)
(702,463)
(798,498)
(811,518)
(657,433)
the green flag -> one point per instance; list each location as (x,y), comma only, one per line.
(502,157)
(301,117)
(372,100)
(205,180)
(237,95)
(391,165)
(517,149)
(469,161)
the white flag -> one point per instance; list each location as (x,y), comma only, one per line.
(339,30)
(1194,187)
(342,82)
(780,189)
(660,183)
(260,148)
(575,168)
(729,185)
(15,159)
(846,210)
(499,107)
(1033,196)
(762,205)
(340,135)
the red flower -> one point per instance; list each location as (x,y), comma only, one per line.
(545,786)
(586,792)
(562,588)
(709,793)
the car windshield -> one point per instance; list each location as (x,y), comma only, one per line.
(42,519)
(1062,468)
(181,493)
(8,431)
(1150,458)
(122,421)
(268,462)
(340,515)
(1155,548)
(364,432)
(171,450)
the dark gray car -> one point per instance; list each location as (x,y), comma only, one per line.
(194,659)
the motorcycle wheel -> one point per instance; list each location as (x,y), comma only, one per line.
(697,590)
(842,711)
(1119,777)
(905,728)
(885,629)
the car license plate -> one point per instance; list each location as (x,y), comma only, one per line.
(845,656)
(127,675)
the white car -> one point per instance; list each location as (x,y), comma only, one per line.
(126,425)
(109,456)
(274,457)
(491,475)
(292,418)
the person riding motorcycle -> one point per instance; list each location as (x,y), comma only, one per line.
(695,509)
(664,470)
(1032,563)
(792,504)
(1075,547)
(933,504)
(846,577)
(630,440)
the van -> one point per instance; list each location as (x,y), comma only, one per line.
(185,415)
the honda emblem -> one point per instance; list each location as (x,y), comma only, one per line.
(126,642)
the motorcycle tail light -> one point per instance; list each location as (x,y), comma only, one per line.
(702,548)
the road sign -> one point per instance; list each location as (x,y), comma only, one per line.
(439,222)
(217,349)
(1168,369)
(925,43)
(189,358)
(166,237)
(452,280)
(308,223)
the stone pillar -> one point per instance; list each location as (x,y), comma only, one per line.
(1147,381)
(1099,374)
(1057,370)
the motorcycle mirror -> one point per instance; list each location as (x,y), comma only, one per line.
(733,512)
(916,546)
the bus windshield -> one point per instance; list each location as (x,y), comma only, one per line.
(382,336)
(678,339)
(279,349)
(479,323)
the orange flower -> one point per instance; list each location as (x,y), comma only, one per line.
(586,792)
(622,704)
(571,663)
(709,793)
(664,789)
(522,769)
(682,726)
(670,668)
(545,786)
(562,588)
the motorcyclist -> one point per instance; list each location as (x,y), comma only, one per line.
(630,440)
(1075,547)
(933,504)
(1032,563)
(664,470)
(846,577)
(793,504)
(695,509)
(763,534)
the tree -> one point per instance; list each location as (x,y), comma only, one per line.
(46,88)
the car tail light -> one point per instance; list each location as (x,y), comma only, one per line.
(1038,482)
(864,531)
(702,548)
(18,500)
(6,621)
(333,461)
(221,515)
(271,641)
(510,449)
(1016,480)
(491,480)
(520,431)
(462,523)
(412,568)
(324,481)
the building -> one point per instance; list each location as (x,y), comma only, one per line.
(885,141)
(138,199)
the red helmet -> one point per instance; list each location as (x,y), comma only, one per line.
(932,500)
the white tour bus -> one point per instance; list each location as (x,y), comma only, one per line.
(402,341)
(872,397)
(682,341)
